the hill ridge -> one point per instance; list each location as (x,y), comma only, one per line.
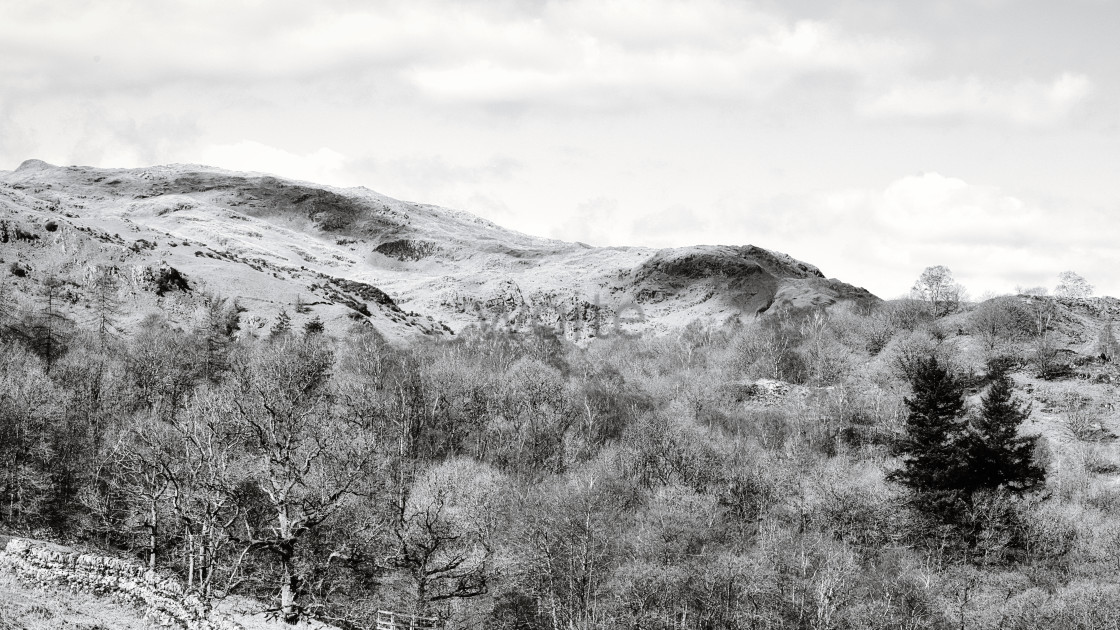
(270,240)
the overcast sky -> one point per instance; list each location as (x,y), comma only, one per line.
(870,138)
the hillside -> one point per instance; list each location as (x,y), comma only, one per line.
(725,476)
(353,255)
(739,472)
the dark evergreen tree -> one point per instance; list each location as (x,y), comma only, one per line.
(282,327)
(313,327)
(933,464)
(106,303)
(998,456)
(48,329)
(220,320)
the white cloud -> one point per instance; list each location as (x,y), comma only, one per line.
(579,51)
(572,54)
(992,240)
(324,165)
(613,53)
(1024,102)
(595,222)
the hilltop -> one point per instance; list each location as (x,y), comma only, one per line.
(351,254)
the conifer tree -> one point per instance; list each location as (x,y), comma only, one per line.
(998,456)
(282,327)
(106,306)
(219,320)
(933,466)
(49,327)
(313,327)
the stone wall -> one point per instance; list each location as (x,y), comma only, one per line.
(162,598)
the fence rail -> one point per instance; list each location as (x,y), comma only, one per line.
(388,620)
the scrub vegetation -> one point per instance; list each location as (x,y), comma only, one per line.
(906,464)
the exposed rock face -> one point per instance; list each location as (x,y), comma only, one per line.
(351,255)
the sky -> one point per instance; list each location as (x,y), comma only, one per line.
(871,138)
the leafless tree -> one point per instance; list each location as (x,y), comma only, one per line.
(937,286)
(1072,285)
(306,459)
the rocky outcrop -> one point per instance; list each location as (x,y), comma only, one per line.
(163,598)
(407,249)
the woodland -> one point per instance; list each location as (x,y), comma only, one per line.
(871,465)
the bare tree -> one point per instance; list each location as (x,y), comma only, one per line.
(28,409)
(999,321)
(306,459)
(1042,311)
(1072,285)
(7,307)
(205,466)
(138,475)
(443,533)
(937,286)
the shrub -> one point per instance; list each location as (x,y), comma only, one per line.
(1100,461)
(18,270)
(313,327)
(907,314)
(771,427)
(1048,361)
(170,280)
(1000,364)
(1001,320)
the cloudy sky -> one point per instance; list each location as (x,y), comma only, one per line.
(872,138)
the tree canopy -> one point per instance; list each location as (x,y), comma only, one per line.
(1072,285)
(937,286)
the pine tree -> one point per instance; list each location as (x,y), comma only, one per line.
(931,450)
(49,329)
(313,327)
(282,327)
(998,456)
(219,320)
(106,306)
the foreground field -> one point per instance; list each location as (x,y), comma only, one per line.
(23,608)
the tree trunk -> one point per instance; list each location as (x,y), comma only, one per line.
(287,588)
(152,516)
(286,551)
(190,558)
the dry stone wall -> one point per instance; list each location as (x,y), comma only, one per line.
(162,598)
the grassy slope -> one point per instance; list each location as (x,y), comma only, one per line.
(26,608)
(32,609)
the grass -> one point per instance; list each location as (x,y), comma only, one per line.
(24,608)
